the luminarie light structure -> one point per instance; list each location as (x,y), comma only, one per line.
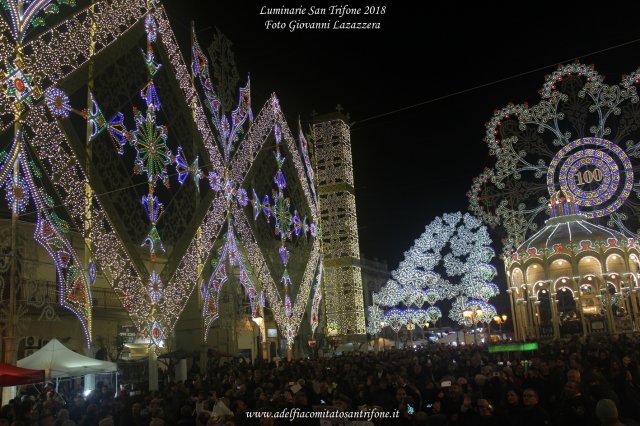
(343,297)
(450,260)
(564,167)
(241,139)
(33,67)
(154,300)
(577,138)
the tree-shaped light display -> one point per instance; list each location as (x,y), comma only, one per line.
(448,261)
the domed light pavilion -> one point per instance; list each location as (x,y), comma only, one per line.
(573,276)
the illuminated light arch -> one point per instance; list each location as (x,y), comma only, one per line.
(615,262)
(517,277)
(539,286)
(589,264)
(563,281)
(40,63)
(56,54)
(534,271)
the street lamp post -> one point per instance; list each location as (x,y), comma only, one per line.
(334,340)
(259,320)
(473,315)
(312,345)
(376,344)
(500,319)
(410,327)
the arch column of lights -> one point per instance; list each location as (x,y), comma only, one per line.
(34,65)
(52,57)
(238,154)
(153,307)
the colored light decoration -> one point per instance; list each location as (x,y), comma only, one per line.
(52,234)
(229,131)
(92,272)
(228,256)
(598,173)
(304,150)
(434,313)
(182,168)
(57,102)
(598,160)
(18,86)
(151,28)
(422,318)
(242,197)
(315,301)
(237,158)
(95,117)
(395,318)
(152,153)
(118,132)
(157,333)
(155,287)
(17,193)
(287,306)
(448,261)
(215,181)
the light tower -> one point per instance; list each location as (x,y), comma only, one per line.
(344,303)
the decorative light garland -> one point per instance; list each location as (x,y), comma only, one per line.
(51,233)
(314,316)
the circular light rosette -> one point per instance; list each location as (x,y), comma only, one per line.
(151,27)
(57,102)
(596,172)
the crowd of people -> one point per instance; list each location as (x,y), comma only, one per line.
(582,382)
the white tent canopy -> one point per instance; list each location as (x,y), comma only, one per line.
(58,362)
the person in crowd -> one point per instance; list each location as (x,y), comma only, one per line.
(533,413)
(607,413)
(512,407)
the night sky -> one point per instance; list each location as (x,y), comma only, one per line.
(456,62)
